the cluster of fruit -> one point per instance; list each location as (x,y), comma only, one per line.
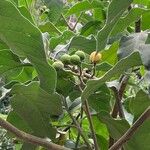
(76,59)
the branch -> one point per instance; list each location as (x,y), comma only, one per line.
(119,95)
(138,26)
(66,22)
(78,126)
(29,138)
(77,21)
(78,137)
(118,106)
(132,130)
(87,110)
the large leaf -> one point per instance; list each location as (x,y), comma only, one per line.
(35,106)
(55,9)
(124,64)
(116,128)
(145,24)
(101,133)
(66,35)
(113,16)
(3,45)
(110,55)
(50,28)
(86,44)
(100,101)
(138,105)
(138,140)
(90,28)
(136,42)
(24,3)
(133,16)
(84,6)
(24,11)
(8,62)
(25,40)
(143,2)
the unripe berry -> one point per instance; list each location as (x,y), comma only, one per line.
(75,59)
(65,59)
(95,57)
(81,54)
(58,65)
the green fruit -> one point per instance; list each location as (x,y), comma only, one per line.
(75,59)
(58,65)
(81,54)
(65,59)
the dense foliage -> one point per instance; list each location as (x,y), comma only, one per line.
(75,73)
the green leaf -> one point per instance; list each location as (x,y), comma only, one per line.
(8,62)
(24,11)
(133,16)
(139,103)
(24,3)
(143,2)
(102,142)
(88,45)
(136,42)
(55,9)
(102,67)
(65,83)
(113,16)
(116,128)
(100,101)
(25,40)
(138,140)
(35,106)
(18,122)
(24,76)
(101,133)
(90,28)
(110,55)
(27,146)
(3,45)
(145,24)
(124,64)
(54,41)
(49,27)
(84,6)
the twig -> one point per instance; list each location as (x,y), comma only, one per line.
(85,106)
(66,22)
(138,26)
(132,130)
(129,8)
(30,138)
(80,77)
(72,29)
(118,106)
(71,125)
(75,72)
(77,21)
(78,137)
(78,126)
(87,110)
(94,70)
(119,95)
